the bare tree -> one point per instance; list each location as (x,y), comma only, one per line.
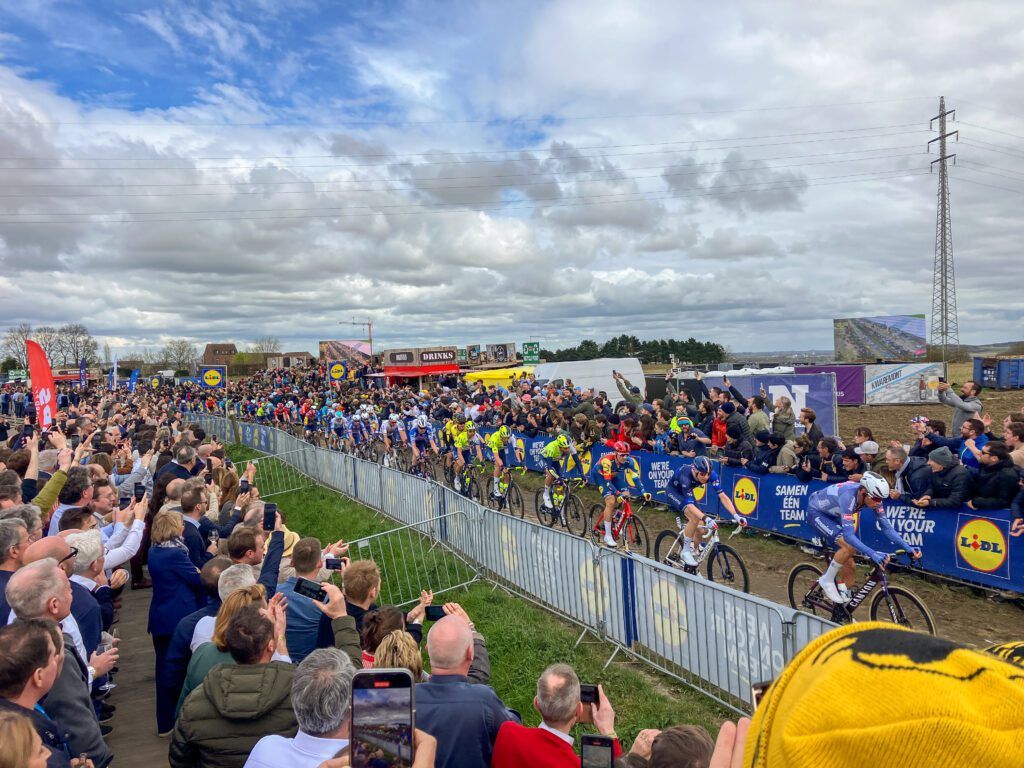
(48,337)
(74,343)
(267,344)
(13,343)
(180,354)
(106,353)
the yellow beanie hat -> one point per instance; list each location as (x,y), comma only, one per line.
(877,695)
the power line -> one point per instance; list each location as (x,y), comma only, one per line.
(480,151)
(969,164)
(990,130)
(456,187)
(547,118)
(959,177)
(475,206)
(988,147)
(240,167)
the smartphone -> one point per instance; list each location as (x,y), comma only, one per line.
(333,563)
(213,438)
(140,491)
(758,690)
(243,485)
(382,718)
(269,516)
(75,440)
(596,751)
(942,379)
(588,694)
(310,589)
(96,440)
(435,612)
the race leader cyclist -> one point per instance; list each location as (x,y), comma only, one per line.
(499,442)
(554,454)
(609,474)
(680,496)
(832,512)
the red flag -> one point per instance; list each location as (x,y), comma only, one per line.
(42,384)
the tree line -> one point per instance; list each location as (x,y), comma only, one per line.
(651,351)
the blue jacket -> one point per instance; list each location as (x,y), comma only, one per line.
(177,590)
(87,612)
(171,674)
(464,718)
(195,541)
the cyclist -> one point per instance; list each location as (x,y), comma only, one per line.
(340,428)
(833,511)
(309,425)
(679,493)
(392,427)
(421,436)
(360,431)
(554,453)
(609,475)
(499,442)
(465,441)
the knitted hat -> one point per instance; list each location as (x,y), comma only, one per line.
(728,408)
(941,456)
(879,695)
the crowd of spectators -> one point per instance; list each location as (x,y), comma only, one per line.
(249,672)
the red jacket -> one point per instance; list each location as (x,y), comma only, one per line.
(517,746)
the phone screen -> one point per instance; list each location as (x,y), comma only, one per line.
(435,612)
(596,751)
(140,491)
(382,719)
(269,516)
(588,694)
(310,589)
(243,486)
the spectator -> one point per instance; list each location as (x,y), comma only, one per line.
(690,441)
(195,501)
(398,650)
(303,616)
(996,484)
(13,543)
(1014,439)
(808,418)
(783,419)
(850,467)
(89,573)
(376,624)
(766,452)
(560,708)
(757,417)
(177,592)
(966,406)
(23,748)
(29,667)
(734,417)
(912,476)
(236,576)
(681,746)
(321,696)
(41,590)
(738,451)
(868,453)
(950,485)
(462,716)
(77,492)
(246,546)
(968,445)
(787,459)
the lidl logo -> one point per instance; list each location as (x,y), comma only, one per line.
(212,377)
(744,495)
(981,544)
(592,588)
(338,371)
(668,612)
(154,382)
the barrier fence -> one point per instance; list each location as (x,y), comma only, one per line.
(707,635)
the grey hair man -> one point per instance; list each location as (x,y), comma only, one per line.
(235,577)
(321,696)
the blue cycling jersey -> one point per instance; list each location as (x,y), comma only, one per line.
(683,484)
(839,502)
(421,434)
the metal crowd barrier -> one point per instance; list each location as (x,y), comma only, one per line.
(284,472)
(709,636)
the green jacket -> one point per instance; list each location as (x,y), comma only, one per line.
(758,421)
(631,397)
(784,423)
(48,494)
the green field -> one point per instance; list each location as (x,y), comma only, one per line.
(522,639)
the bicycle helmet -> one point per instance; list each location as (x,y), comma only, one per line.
(356,417)
(702,465)
(422,421)
(470,426)
(876,486)
(393,418)
(621,447)
(563,441)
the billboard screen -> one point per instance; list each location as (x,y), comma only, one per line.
(889,337)
(353,352)
(913,383)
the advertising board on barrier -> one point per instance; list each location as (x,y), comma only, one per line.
(902,383)
(849,381)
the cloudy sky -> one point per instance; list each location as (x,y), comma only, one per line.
(488,172)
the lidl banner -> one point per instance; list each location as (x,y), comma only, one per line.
(212,376)
(805,390)
(337,371)
(960,543)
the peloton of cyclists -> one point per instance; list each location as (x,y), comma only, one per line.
(833,512)
(609,474)
(680,495)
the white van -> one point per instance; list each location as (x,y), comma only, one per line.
(595,374)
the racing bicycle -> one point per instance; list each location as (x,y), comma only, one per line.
(891,603)
(511,498)
(627,528)
(721,562)
(424,465)
(469,486)
(566,507)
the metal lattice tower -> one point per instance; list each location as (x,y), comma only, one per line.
(945,331)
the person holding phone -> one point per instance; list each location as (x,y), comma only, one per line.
(551,745)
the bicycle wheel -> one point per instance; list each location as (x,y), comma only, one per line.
(802,579)
(727,567)
(514,501)
(667,547)
(634,534)
(542,513)
(575,517)
(594,528)
(473,491)
(897,605)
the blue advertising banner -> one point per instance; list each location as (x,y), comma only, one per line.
(805,390)
(83,375)
(212,376)
(134,380)
(960,543)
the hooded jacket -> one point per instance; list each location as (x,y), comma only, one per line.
(235,707)
(996,486)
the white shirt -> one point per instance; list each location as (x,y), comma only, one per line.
(126,547)
(563,736)
(70,627)
(203,633)
(303,751)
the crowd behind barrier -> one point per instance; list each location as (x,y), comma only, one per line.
(708,635)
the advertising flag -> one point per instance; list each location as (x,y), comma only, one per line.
(134,380)
(113,374)
(42,384)
(83,376)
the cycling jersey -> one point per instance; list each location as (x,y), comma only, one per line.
(832,512)
(422,434)
(553,450)
(681,487)
(610,476)
(386,428)
(340,425)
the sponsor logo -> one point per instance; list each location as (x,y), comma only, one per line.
(981,545)
(744,495)
(668,612)
(154,382)
(338,371)
(212,377)
(592,588)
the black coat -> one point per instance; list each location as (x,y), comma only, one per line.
(917,479)
(996,486)
(951,487)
